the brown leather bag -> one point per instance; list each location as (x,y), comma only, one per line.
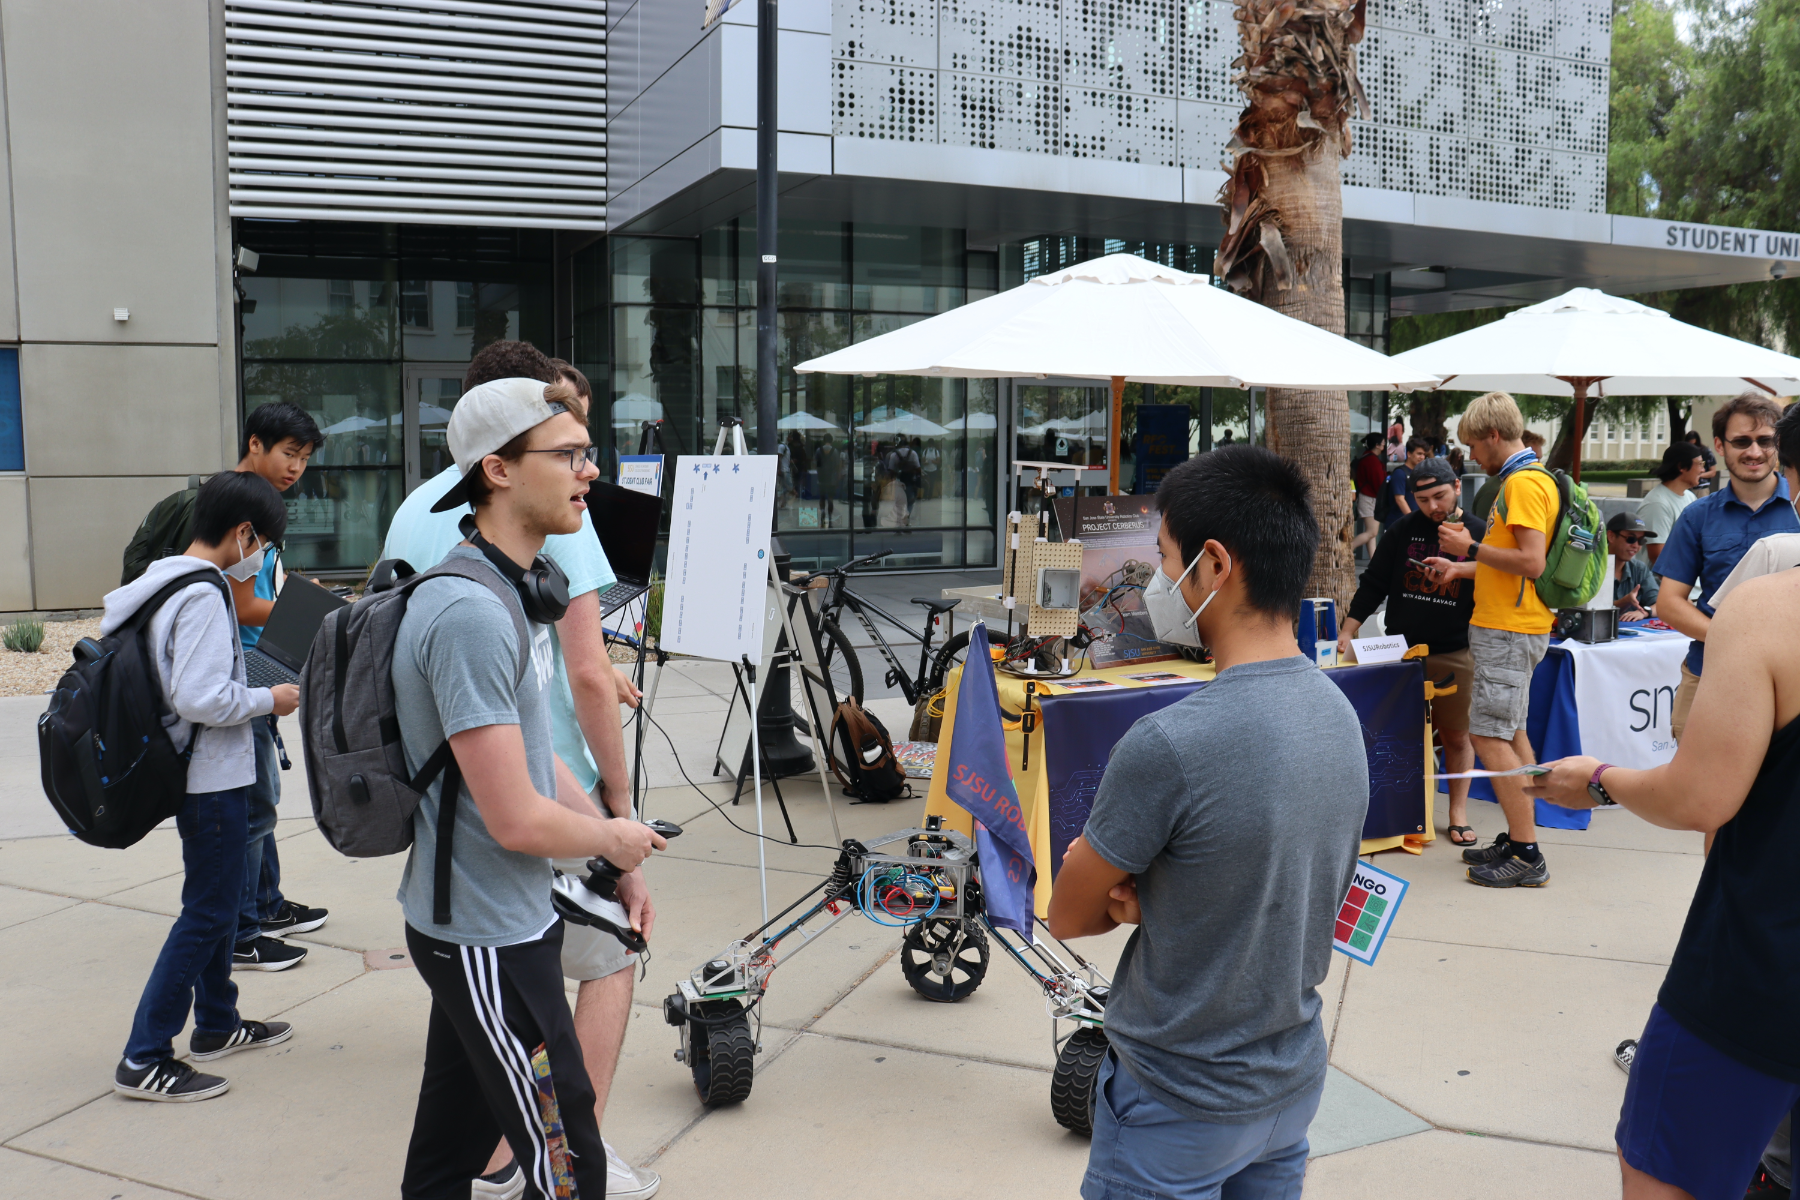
(861,755)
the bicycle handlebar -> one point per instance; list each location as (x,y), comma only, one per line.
(851,565)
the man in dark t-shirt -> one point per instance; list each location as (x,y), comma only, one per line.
(1429,612)
(1232,865)
(1399,494)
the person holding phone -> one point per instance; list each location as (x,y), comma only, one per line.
(1428,612)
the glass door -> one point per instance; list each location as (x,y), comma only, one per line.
(432,390)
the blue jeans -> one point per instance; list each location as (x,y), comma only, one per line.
(1145,1150)
(194,968)
(262,867)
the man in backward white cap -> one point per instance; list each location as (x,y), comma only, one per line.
(501,1031)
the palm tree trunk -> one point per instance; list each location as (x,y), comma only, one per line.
(1283,245)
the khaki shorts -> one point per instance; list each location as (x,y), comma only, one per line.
(1451,713)
(1500,699)
(1684,701)
(1365,507)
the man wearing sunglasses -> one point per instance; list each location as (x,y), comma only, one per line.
(1715,532)
(1634,586)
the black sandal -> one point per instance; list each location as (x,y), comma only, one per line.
(1453,830)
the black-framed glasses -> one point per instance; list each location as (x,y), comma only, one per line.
(1765,442)
(575,456)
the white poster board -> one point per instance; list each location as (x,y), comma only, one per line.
(718,563)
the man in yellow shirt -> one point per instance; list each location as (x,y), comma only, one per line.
(1509,630)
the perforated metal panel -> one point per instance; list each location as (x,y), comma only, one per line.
(1502,100)
(466,112)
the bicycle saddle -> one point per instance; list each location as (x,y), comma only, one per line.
(934,607)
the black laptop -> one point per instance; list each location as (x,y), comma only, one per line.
(287,638)
(627,522)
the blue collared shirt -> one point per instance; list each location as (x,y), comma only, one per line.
(1712,534)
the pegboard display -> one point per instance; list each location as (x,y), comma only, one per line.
(1501,100)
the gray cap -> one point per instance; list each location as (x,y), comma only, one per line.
(1433,472)
(488,416)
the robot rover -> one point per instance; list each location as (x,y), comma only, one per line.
(927,882)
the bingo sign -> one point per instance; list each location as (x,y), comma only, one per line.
(1362,923)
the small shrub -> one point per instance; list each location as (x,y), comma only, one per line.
(24,636)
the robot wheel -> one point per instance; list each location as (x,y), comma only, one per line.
(1075,1081)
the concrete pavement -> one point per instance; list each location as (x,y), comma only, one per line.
(1479,1044)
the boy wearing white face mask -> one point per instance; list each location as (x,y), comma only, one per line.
(1226,827)
(200,666)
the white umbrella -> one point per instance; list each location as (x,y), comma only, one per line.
(1585,339)
(905,425)
(635,406)
(355,424)
(975,421)
(1122,318)
(804,420)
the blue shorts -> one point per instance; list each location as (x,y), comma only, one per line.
(1145,1150)
(1696,1118)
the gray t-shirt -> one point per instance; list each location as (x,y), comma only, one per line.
(1240,810)
(455,663)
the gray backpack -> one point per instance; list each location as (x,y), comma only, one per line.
(363,797)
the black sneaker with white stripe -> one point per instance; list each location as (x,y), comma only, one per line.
(294,918)
(170,1081)
(248,1036)
(266,954)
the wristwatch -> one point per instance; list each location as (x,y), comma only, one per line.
(1596,789)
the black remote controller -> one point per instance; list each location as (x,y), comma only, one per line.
(601,908)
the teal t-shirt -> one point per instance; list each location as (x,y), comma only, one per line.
(423,538)
(265,590)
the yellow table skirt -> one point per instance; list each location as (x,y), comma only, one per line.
(1032,780)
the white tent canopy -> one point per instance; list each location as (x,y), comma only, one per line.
(804,421)
(904,425)
(978,420)
(1122,316)
(1618,347)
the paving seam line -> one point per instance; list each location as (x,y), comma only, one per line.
(1636,962)
(1337,1016)
(94,899)
(161,1187)
(778,1052)
(41,916)
(1481,1133)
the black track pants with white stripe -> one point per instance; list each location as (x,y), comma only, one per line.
(490,1011)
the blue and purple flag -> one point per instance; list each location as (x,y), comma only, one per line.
(979,779)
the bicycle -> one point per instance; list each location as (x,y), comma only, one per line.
(840,659)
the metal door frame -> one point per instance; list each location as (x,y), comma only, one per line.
(412,374)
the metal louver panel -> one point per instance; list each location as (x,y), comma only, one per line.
(450,112)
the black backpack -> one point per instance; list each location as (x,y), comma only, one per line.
(869,770)
(109,767)
(164,532)
(363,796)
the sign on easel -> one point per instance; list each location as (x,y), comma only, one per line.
(718,565)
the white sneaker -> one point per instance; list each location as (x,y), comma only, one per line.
(509,1186)
(625,1182)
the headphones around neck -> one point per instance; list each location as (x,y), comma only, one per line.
(543,590)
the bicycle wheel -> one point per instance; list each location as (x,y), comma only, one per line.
(840,662)
(949,657)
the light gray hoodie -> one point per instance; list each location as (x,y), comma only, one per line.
(193,640)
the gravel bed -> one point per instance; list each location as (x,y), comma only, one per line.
(35,674)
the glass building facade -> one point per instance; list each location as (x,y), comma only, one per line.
(369,327)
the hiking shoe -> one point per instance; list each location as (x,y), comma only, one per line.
(1498,849)
(294,918)
(170,1081)
(266,954)
(1624,1052)
(248,1036)
(508,1183)
(1511,871)
(1764,1186)
(626,1182)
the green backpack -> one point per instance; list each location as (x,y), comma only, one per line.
(1573,567)
(165,531)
